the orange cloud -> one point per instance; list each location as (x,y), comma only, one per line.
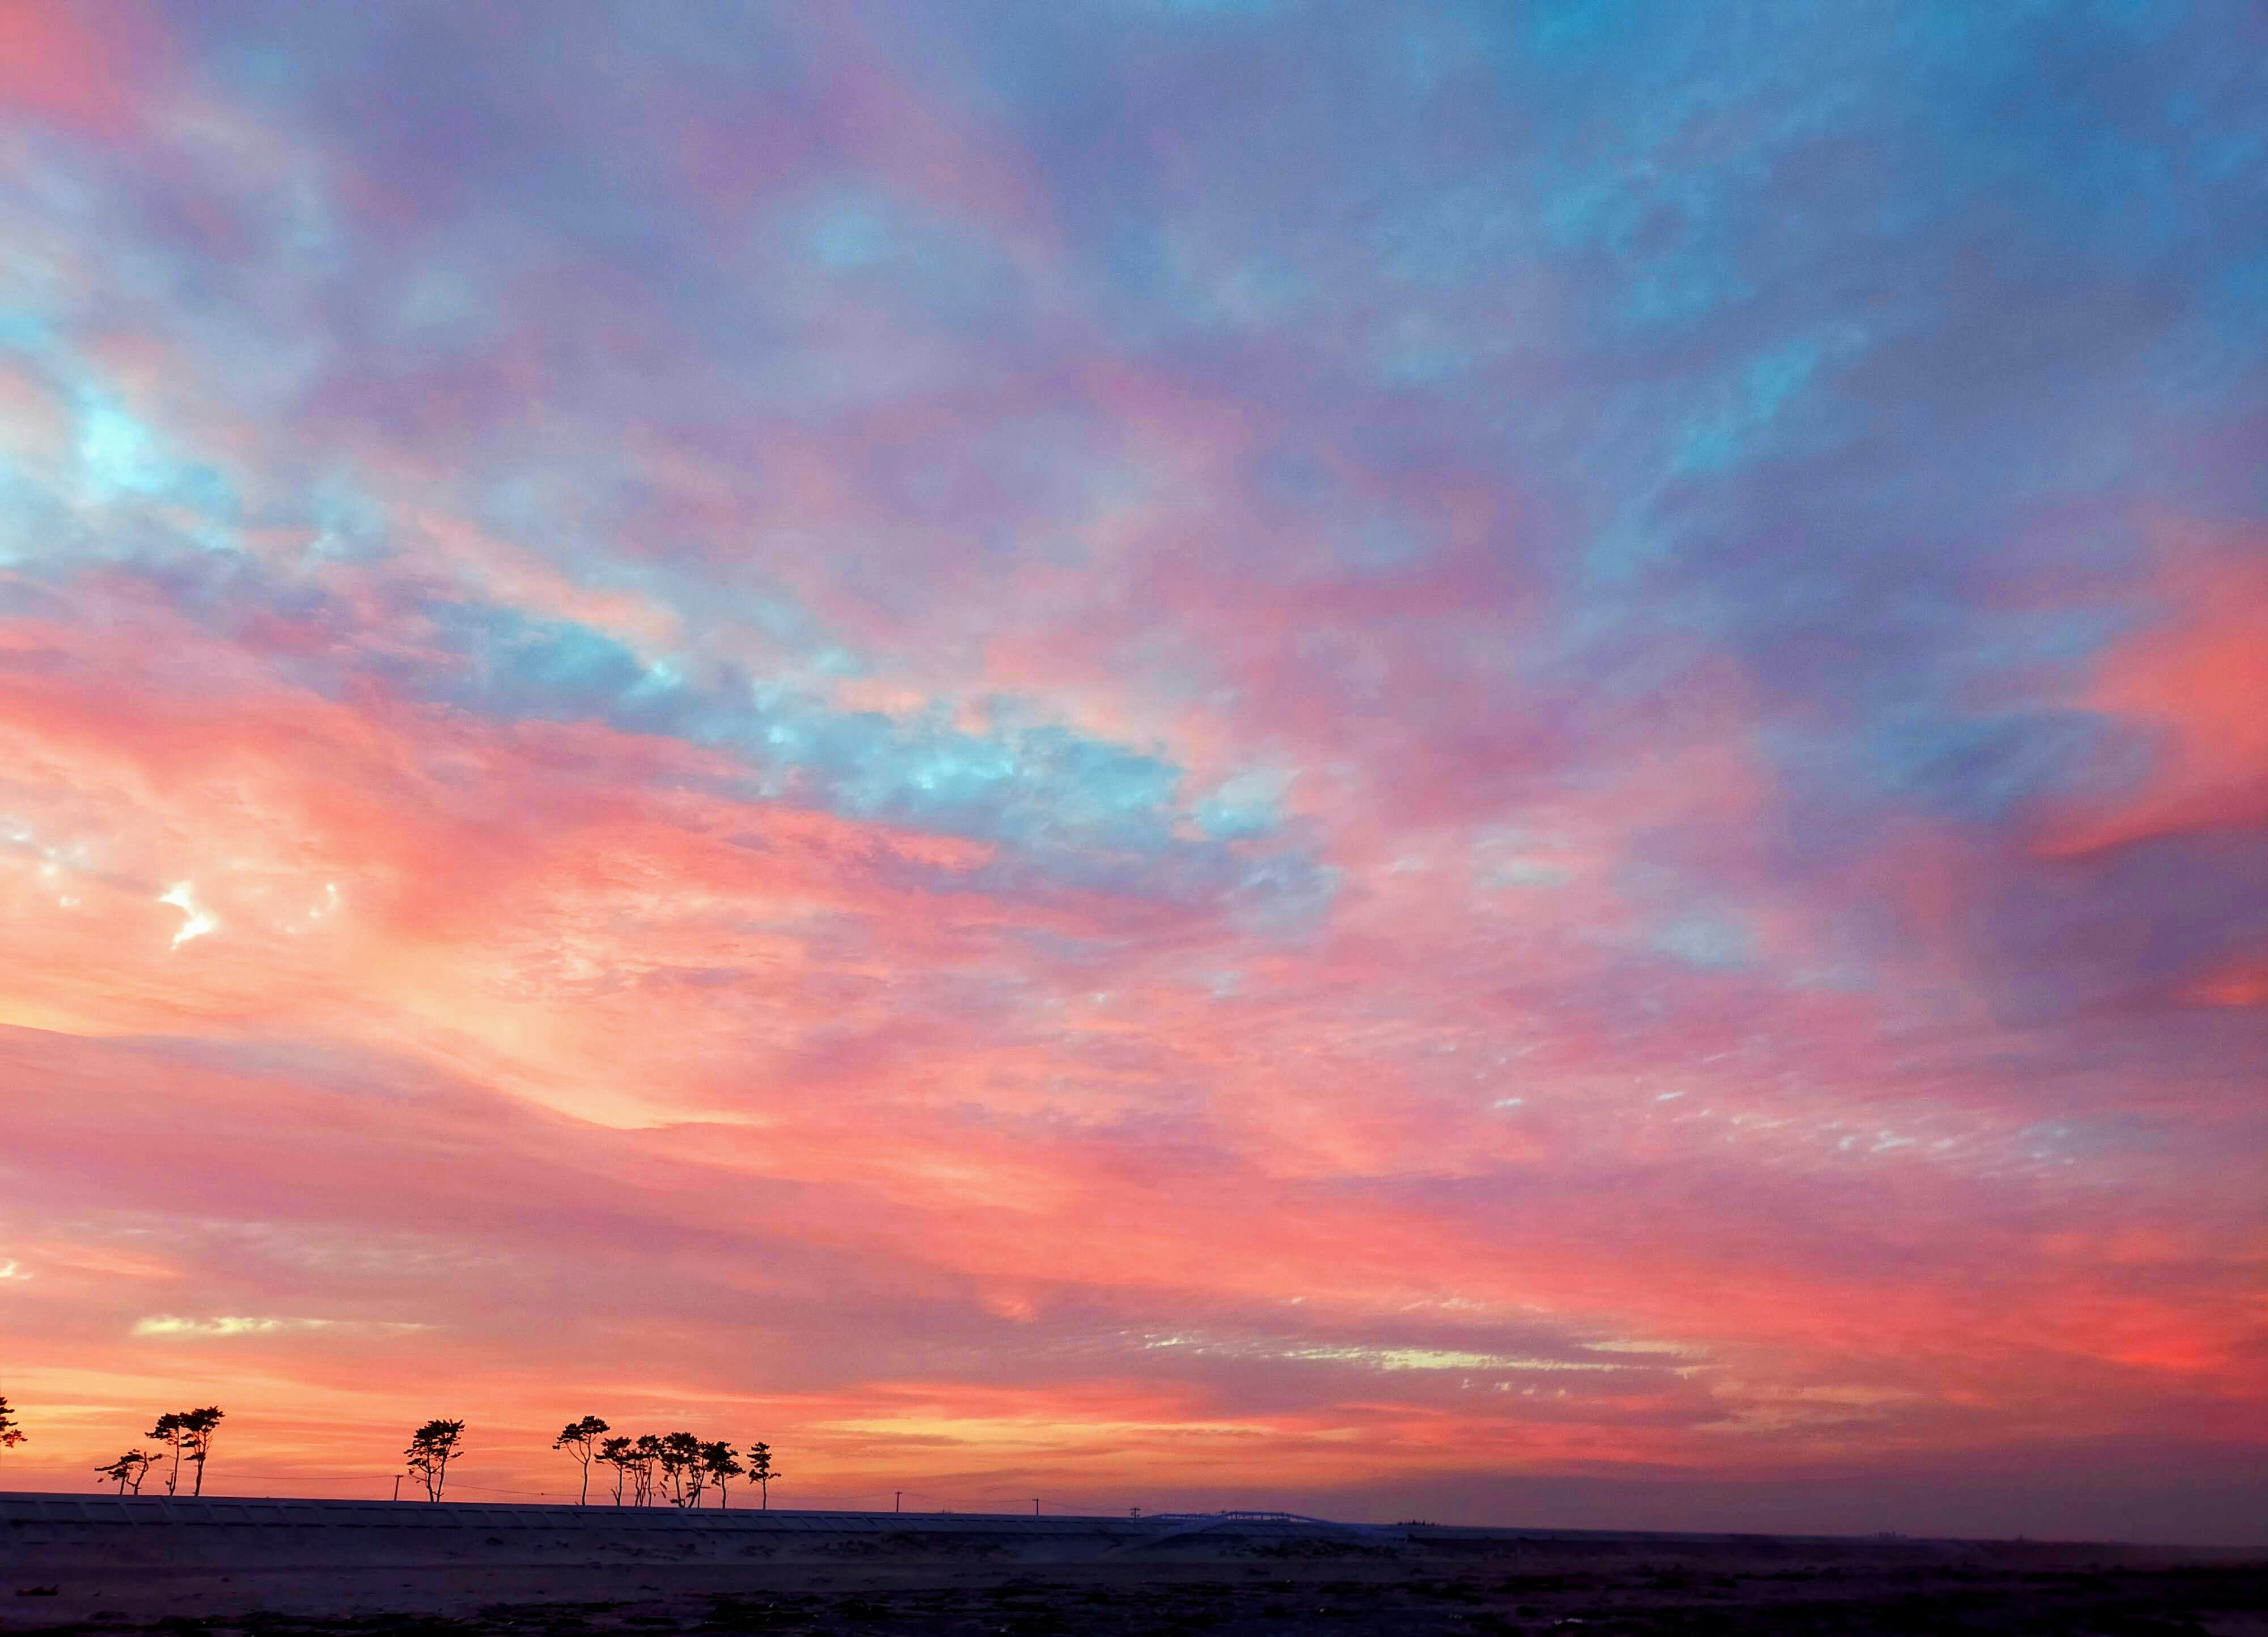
(2196,679)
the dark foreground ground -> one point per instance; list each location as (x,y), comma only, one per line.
(477,1572)
(1414,1603)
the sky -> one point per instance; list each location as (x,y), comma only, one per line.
(1500,761)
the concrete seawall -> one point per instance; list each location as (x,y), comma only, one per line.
(68,1558)
(139,1556)
(43,1532)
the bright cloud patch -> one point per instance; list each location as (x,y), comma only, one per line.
(168,1325)
(195,922)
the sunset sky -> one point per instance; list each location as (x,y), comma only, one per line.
(1500,761)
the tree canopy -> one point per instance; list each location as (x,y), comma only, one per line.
(431,1448)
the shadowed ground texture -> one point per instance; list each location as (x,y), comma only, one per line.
(282,1569)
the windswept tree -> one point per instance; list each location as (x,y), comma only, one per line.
(10,1434)
(171,1435)
(128,1470)
(615,1452)
(580,1439)
(646,1465)
(431,1448)
(681,1463)
(197,1435)
(760,1473)
(722,1466)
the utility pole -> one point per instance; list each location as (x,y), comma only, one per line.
(1035,1505)
(397,1485)
(898,1501)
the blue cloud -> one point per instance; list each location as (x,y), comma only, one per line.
(1069,808)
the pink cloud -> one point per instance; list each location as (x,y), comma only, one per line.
(2194,677)
(79,66)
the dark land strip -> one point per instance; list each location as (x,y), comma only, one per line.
(339,1569)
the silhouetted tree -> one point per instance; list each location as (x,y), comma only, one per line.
(431,1448)
(10,1434)
(196,1443)
(680,1461)
(580,1440)
(615,1452)
(646,1459)
(722,1467)
(172,1436)
(760,1473)
(130,1470)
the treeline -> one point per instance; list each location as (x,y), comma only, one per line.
(184,1435)
(652,1469)
(676,1468)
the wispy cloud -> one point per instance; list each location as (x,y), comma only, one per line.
(169,1325)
